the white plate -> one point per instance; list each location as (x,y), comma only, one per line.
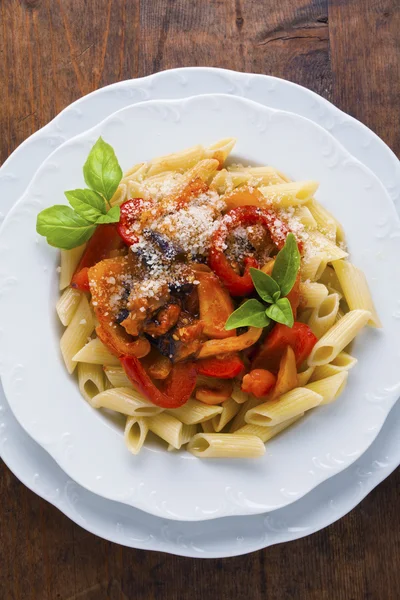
(179,486)
(223,537)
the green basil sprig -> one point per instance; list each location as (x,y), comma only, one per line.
(66,227)
(272,290)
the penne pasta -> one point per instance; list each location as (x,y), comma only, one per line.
(220,150)
(90,380)
(317,242)
(178,161)
(312,294)
(194,412)
(343,362)
(135,433)
(355,289)
(324,316)
(67,305)
(326,223)
(289,405)
(69,262)
(168,428)
(125,401)
(226,445)
(338,337)
(96,353)
(330,387)
(239,419)
(304,376)
(117,376)
(313,266)
(229,409)
(207,426)
(267,433)
(76,334)
(238,395)
(293,193)
(303,215)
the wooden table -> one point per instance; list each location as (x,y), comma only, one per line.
(54,51)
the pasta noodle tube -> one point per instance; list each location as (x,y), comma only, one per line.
(312,293)
(229,409)
(289,194)
(90,380)
(76,334)
(135,433)
(96,353)
(289,405)
(179,161)
(304,376)
(343,362)
(125,401)
(117,377)
(338,337)
(220,150)
(238,395)
(323,317)
(267,433)
(67,305)
(226,445)
(194,412)
(167,428)
(330,387)
(69,262)
(355,289)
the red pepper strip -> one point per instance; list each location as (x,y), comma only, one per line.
(224,367)
(104,240)
(299,337)
(177,389)
(241,285)
(119,342)
(131,211)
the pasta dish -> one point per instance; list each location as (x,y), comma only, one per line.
(210,303)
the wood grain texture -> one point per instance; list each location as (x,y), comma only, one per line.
(54,51)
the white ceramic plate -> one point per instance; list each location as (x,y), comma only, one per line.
(296,462)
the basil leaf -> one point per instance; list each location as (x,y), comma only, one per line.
(251,314)
(276,296)
(112,216)
(266,286)
(287,264)
(63,227)
(281,312)
(101,170)
(87,203)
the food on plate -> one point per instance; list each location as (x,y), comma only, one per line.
(212,304)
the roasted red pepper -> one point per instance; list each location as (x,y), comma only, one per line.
(177,388)
(224,367)
(215,306)
(242,285)
(104,240)
(299,337)
(131,211)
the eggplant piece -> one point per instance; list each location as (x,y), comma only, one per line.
(170,249)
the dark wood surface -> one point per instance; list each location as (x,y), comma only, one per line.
(54,51)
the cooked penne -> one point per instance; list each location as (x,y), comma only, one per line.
(355,289)
(312,294)
(135,433)
(324,316)
(238,395)
(96,353)
(76,334)
(67,305)
(120,195)
(239,419)
(338,337)
(90,380)
(229,409)
(168,428)
(326,223)
(267,433)
(117,376)
(178,161)
(194,412)
(125,401)
(289,194)
(207,426)
(220,150)
(303,215)
(289,405)
(226,445)
(343,362)
(69,262)
(313,266)
(304,376)
(330,387)
(317,242)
